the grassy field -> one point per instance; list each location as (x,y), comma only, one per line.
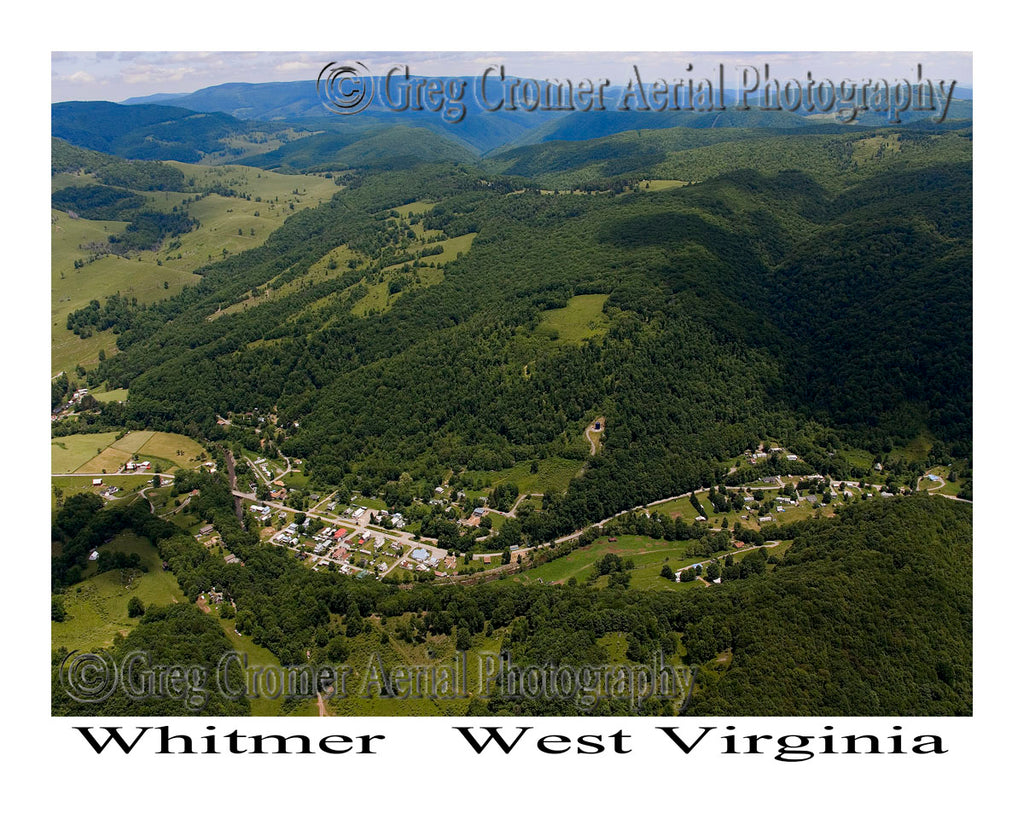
(67,454)
(72,289)
(369,503)
(166,450)
(97,607)
(110,396)
(329,266)
(227,224)
(682,507)
(648,555)
(916,450)
(256,657)
(379,299)
(129,484)
(654,185)
(552,474)
(580,319)
(858,457)
(421,206)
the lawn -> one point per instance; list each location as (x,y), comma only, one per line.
(580,319)
(369,503)
(97,607)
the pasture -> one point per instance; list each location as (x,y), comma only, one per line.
(69,453)
(228,225)
(97,607)
(105,451)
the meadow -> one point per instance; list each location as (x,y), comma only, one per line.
(580,319)
(553,474)
(97,607)
(108,451)
(128,484)
(647,554)
(228,225)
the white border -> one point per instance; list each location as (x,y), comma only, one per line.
(423,769)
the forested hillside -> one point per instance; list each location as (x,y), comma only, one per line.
(804,304)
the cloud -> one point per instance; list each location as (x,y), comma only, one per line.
(80,78)
(297,65)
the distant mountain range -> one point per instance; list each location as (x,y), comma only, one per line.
(285,125)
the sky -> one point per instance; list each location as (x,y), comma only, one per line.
(118,75)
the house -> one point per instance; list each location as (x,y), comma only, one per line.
(97,481)
(205,530)
(419,554)
(94,555)
(479,512)
(791,458)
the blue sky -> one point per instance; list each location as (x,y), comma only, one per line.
(117,75)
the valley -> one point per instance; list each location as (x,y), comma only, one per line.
(689,391)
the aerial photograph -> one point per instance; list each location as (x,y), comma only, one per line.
(511,384)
